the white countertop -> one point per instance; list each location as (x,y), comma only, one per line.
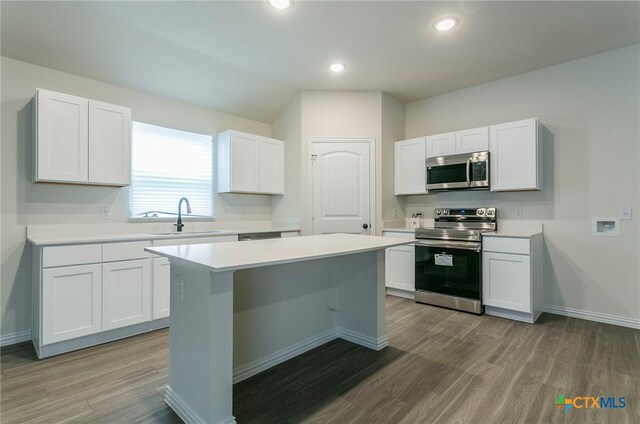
(232,256)
(61,239)
(523,233)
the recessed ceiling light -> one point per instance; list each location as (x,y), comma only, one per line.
(280,4)
(337,67)
(445,24)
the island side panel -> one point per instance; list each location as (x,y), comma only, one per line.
(362,300)
(201,345)
(281,311)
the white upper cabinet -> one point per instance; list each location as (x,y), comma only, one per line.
(271,166)
(465,141)
(516,156)
(249,163)
(410,171)
(441,144)
(81,141)
(109,144)
(473,140)
(61,150)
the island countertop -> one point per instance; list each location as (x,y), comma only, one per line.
(231,256)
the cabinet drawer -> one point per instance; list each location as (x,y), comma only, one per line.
(124,251)
(520,246)
(71,255)
(176,241)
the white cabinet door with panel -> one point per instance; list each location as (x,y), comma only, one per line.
(473,140)
(61,137)
(271,166)
(238,162)
(126,293)
(161,287)
(109,144)
(71,304)
(441,144)
(516,156)
(410,170)
(507,281)
(400,268)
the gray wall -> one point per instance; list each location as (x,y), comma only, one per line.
(25,203)
(592,106)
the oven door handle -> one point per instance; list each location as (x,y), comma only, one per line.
(464,245)
(469,172)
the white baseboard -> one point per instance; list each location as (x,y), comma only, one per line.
(19,337)
(252,368)
(401,293)
(184,412)
(592,316)
(362,339)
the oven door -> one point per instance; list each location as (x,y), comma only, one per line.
(469,170)
(449,268)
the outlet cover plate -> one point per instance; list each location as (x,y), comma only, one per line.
(625,213)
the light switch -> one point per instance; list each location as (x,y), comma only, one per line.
(519,213)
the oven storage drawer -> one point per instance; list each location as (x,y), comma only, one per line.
(519,246)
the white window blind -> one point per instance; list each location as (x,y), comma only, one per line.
(168,164)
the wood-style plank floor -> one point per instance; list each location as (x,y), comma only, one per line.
(441,366)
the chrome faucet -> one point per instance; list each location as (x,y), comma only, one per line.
(179,224)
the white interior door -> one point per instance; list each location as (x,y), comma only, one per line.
(341,184)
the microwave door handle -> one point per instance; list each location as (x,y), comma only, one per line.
(469,172)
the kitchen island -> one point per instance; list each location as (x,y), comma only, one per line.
(239,308)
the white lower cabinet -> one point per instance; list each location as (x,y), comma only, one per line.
(126,293)
(512,277)
(161,287)
(71,302)
(400,266)
(508,280)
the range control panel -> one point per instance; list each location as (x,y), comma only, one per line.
(467,212)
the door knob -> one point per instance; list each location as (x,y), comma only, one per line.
(365,226)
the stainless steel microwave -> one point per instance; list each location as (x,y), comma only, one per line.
(457,172)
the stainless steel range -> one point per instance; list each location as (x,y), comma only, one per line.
(449,258)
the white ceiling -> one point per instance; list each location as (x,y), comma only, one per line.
(246,58)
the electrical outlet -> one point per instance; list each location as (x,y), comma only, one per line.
(519,213)
(395,212)
(105,212)
(625,213)
(180,289)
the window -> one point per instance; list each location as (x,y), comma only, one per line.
(166,165)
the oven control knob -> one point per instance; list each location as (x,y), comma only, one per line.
(480,212)
(474,237)
(438,212)
(490,212)
(445,212)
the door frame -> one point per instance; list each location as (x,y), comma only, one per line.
(372,176)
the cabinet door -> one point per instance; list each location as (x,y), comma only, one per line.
(70,302)
(400,267)
(515,156)
(441,144)
(410,168)
(473,140)
(161,287)
(245,162)
(126,293)
(271,166)
(506,281)
(61,150)
(109,144)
